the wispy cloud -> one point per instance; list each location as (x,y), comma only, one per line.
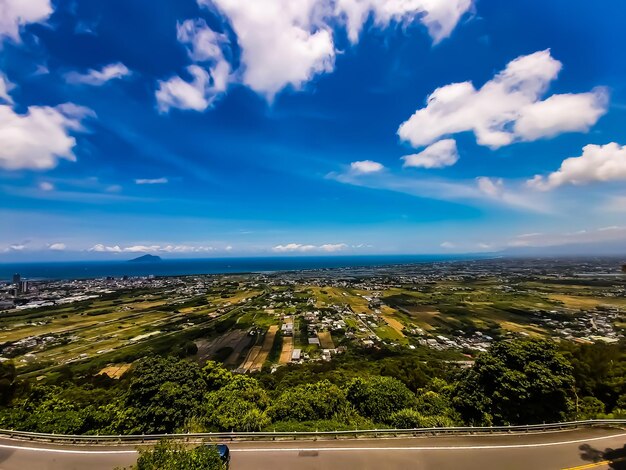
(304,248)
(598,235)
(95,77)
(151,181)
(479,192)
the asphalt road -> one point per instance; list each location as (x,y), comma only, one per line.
(582,449)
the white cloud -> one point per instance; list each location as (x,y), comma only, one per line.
(289,42)
(46,186)
(597,163)
(40,137)
(151,181)
(438,155)
(507,108)
(208,81)
(439,16)
(492,187)
(141,249)
(100,248)
(16,13)
(185,249)
(5,87)
(477,192)
(203,44)
(98,77)
(366,166)
(298,247)
(206,46)
(57,247)
(290,247)
(332,247)
(197,94)
(561,113)
(599,236)
(17,247)
(448,245)
(283,42)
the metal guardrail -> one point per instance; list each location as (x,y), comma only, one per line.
(311,435)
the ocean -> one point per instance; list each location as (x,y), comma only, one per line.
(181,267)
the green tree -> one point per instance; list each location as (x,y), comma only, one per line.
(215,375)
(167,455)
(7,381)
(163,393)
(517,382)
(590,408)
(237,406)
(379,397)
(599,370)
(321,400)
(409,418)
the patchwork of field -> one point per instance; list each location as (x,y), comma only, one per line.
(327,296)
(287,350)
(74,332)
(476,309)
(115,371)
(326,340)
(258,354)
(394,323)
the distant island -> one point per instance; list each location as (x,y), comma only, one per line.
(146,259)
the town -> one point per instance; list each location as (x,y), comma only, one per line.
(252,322)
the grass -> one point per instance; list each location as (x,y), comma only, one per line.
(387,333)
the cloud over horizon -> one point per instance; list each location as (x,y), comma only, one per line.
(598,163)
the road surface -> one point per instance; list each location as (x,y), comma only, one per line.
(579,449)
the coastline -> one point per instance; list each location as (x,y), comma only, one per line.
(56,270)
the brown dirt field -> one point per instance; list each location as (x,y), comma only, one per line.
(268,342)
(531,330)
(207,348)
(393,323)
(424,315)
(326,340)
(115,371)
(250,358)
(287,351)
(573,301)
(237,350)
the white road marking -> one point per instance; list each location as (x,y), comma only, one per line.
(331,449)
(66,451)
(481,447)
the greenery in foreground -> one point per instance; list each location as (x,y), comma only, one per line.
(168,455)
(515,382)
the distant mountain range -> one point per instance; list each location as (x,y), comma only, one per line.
(146,259)
(608,248)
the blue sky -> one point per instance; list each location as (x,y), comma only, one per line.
(237,127)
